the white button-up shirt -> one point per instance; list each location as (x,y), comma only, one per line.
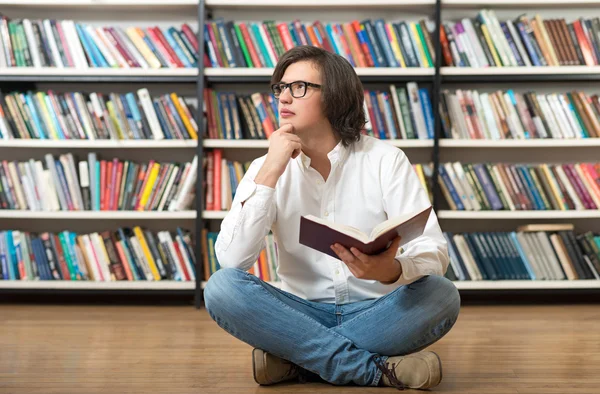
(370,181)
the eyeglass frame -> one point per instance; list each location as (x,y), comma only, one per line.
(289,86)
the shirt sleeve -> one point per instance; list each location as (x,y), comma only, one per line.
(243,230)
(404,193)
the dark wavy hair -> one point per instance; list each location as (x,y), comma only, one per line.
(342,91)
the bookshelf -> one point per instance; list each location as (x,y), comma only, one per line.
(249,79)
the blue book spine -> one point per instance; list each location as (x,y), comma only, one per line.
(451,189)
(488,187)
(427,112)
(522,255)
(36,117)
(385,43)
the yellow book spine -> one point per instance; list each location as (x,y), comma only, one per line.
(488,40)
(184,118)
(395,44)
(546,37)
(555,190)
(139,43)
(140,236)
(420,46)
(149,185)
(113,119)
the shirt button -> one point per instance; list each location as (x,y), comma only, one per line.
(337,272)
(326,213)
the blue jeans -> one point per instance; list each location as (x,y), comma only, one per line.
(340,343)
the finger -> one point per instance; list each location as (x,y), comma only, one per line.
(297,149)
(360,255)
(286,128)
(343,253)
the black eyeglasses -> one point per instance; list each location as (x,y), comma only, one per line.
(297,88)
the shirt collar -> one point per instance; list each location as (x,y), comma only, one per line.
(336,156)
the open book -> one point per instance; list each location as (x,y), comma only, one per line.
(320,234)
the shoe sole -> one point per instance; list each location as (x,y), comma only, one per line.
(439,361)
(258,357)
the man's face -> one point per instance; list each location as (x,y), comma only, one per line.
(305,112)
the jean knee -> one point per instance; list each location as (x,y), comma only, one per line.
(221,288)
(446,295)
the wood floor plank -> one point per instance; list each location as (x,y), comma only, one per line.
(177,349)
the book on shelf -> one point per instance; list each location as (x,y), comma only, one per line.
(364,43)
(539,252)
(127,254)
(55,43)
(50,115)
(265,266)
(514,187)
(521,41)
(506,114)
(65,183)
(320,234)
(402,112)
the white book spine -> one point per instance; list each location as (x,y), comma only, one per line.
(35,56)
(53,47)
(75,44)
(146,101)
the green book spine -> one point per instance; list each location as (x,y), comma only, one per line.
(243,46)
(424,45)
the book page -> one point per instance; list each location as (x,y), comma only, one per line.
(342,228)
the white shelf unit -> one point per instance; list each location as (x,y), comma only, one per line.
(89,285)
(98,72)
(97,144)
(482,285)
(119,4)
(532,215)
(316,4)
(96,215)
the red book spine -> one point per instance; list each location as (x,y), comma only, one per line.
(170,50)
(102,185)
(253,54)
(186,274)
(118,46)
(187,30)
(284,32)
(218,155)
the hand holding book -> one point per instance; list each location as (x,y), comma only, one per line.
(382,267)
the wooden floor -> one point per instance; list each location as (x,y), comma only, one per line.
(156,349)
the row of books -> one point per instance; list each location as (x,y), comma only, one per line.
(96,184)
(222,177)
(524,41)
(403,112)
(502,186)
(506,114)
(533,252)
(68,43)
(125,254)
(264,268)
(363,43)
(96,115)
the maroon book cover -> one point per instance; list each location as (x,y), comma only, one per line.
(317,234)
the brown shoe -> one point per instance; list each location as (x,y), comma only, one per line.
(270,369)
(421,370)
